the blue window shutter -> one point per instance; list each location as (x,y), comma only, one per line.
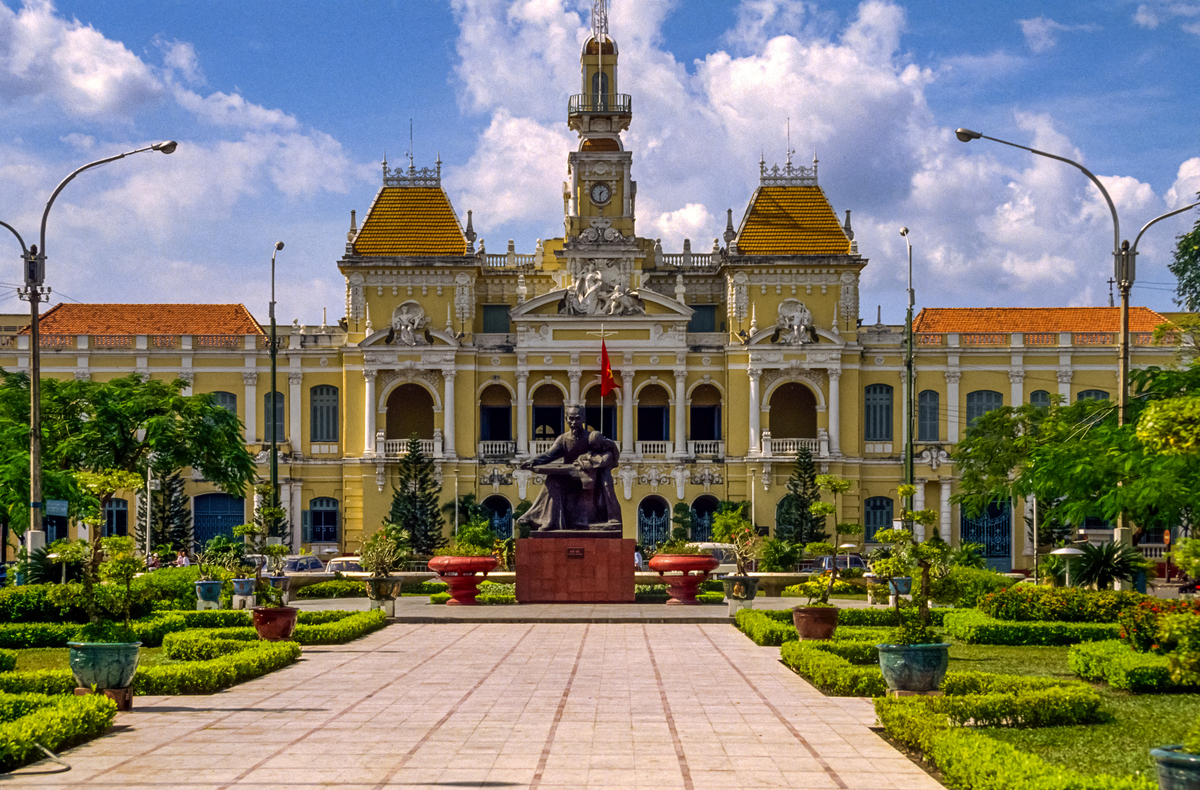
(306,526)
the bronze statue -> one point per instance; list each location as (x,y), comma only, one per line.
(579,494)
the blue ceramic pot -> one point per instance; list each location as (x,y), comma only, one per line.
(243,586)
(277,581)
(900,586)
(914,667)
(105,665)
(208,591)
(1177,769)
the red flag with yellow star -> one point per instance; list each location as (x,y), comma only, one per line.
(607,382)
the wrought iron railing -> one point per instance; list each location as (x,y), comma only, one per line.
(652,529)
(600,103)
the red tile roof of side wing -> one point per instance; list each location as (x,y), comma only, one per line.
(1034,319)
(148,319)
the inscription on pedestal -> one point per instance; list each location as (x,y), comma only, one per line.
(578,570)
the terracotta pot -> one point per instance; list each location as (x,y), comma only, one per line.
(460,576)
(815,622)
(105,665)
(689,571)
(914,667)
(274,623)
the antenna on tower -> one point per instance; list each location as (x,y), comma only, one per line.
(599,20)
(411,163)
(789,140)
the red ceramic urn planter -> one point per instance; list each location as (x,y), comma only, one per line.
(687,572)
(274,623)
(460,575)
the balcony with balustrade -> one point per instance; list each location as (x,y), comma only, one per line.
(787,448)
(599,104)
(652,449)
(497,450)
(706,449)
(398,448)
(1032,340)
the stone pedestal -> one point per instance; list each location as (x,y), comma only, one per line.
(202,605)
(243,602)
(575,570)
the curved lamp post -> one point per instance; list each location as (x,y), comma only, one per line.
(1124,266)
(35,275)
(908,366)
(275,397)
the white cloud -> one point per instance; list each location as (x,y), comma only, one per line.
(180,57)
(1041,33)
(693,221)
(1187,184)
(225,109)
(1151,15)
(45,57)
(1145,17)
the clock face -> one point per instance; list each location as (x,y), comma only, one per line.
(601,194)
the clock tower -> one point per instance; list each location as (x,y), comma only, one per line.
(599,185)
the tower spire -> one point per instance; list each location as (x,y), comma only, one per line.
(599,20)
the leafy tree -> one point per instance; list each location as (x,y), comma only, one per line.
(415,510)
(681,516)
(1103,564)
(795,522)
(1186,268)
(837,486)
(468,508)
(171,514)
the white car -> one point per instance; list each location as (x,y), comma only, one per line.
(348,566)
(724,554)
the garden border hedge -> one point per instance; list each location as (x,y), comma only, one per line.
(976,628)
(1120,666)
(55,724)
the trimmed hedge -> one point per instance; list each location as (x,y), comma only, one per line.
(831,673)
(8,662)
(207,677)
(977,628)
(337,588)
(482,598)
(1116,664)
(55,723)
(972,761)
(765,629)
(347,627)
(1028,602)
(772,627)
(963,587)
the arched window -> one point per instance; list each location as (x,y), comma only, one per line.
(705,414)
(1040,398)
(878,414)
(226,400)
(320,521)
(495,415)
(278,413)
(600,89)
(928,406)
(1092,395)
(323,415)
(878,515)
(547,413)
(653,415)
(116,518)
(980,402)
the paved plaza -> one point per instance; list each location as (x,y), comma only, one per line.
(537,705)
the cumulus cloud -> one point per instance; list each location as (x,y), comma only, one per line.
(1041,33)
(1151,15)
(226,109)
(180,57)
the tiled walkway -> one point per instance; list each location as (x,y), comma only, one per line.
(504,705)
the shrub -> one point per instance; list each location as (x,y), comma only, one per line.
(1027,602)
(1055,706)
(764,629)
(886,617)
(337,588)
(424,588)
(964,587)
(1139,625)
(200,646)
(1180,634)
(1121,667)
(19,636)
(977,628)
(329,628)
(811,589)
(169,588)
(42,681)
(482,598)
(831,673)
(206,677)
(8,662)
(29,603)
(50,722)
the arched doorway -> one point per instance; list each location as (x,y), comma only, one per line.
(793,412)
(653,421)
(993,529)
(704,417)
(216,514)
(500,514)
(495,422)
(703,510)
(547,416)
(654,521)
(409,411)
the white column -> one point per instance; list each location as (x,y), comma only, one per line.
(952,377)
(1017,379)
(681,413)
(755,411)
(835,411)
(294,392)
(919,504)
(522,412)
(251,406)
(448,414)
(574,374)
(369,414)
(1064,383)
(627,411)
(944,506)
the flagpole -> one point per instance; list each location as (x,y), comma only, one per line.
(602,381)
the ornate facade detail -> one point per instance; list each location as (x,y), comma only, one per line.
(84,375)
(600,288)
(250,379)
(408,325)
(848,300)
(627,474)
(188,377)
(953,376)
(1016,376)
(934,456)
(522,476)
(1064,375)
(413,176)
(738,298)
(766,477)
(295,379)
(680,473)
(380,475)
(497,476)
(794,327)
(707,476)
(355,298)
(464,297)
(790,373)
(654,477)
(789,176)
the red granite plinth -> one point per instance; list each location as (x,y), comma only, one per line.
(575,570)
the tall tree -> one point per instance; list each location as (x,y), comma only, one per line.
(170,513)
(795,523)
(1186,268)
(415,509)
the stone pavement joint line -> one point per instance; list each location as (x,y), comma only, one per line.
(547,705)
(666,706)
(558,714)
(783,720)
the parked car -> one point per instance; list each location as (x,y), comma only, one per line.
(348,566)
(843,561)
(724,554)
(302,563)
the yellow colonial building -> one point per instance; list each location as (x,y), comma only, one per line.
(729,357)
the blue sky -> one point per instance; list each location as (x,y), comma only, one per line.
(283,111)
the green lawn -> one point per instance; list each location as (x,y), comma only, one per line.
(1120,747)
(1010,660)
(56,658)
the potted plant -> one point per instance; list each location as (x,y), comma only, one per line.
(380,555)
(272,619)
(818,618)
(689,566)
(466,561)
(208,586)
(730,526)
(105,654)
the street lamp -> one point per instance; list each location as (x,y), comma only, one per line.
(1124,266)
(908,366)
(274,392)
(1069,552)
(35,275)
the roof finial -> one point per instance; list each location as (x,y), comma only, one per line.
(789,141)
(411,164)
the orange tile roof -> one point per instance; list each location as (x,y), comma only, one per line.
(1033,319)
(791,221)
(411,221)
(148,319)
